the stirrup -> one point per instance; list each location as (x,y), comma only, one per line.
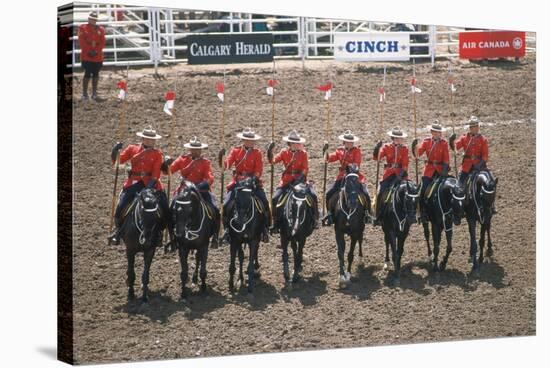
(114,238)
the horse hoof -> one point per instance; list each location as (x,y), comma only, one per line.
(489,252)
(287,277)
(203,289)
(442,267)
(347,275)
(385,266)
(295,278)
(194,280)
(144,299)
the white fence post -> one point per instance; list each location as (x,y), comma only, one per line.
(433,44)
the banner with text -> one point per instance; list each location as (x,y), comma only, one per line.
(231,48)
(375,46)
(491,44)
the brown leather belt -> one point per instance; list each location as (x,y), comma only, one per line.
(472,157)
(433,162)
(139,173)
(392,166)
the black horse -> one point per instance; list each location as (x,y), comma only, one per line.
(295,211)
(351,207)
(246,223)
(398,216)
(142,232)
(194,224)
(480,197)
(444,201)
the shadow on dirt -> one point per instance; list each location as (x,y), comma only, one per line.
(307,290)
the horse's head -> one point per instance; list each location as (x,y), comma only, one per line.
(148,211)
(409,193)
(297,207)
(244,201)
(351,186)
(184,206)
(458,197)
(488,190)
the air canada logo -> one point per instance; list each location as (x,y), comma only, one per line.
(517,43)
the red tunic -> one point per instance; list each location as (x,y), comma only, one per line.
(91,38)
(295,163)
(145,164)
(195,170)
(476,148)
(397,158)
(347,157)
(437,153)
(248,162)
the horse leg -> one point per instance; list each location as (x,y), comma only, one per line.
(204,258)
(131,274)
(473,244)
(195,278)
(426,226)
(183,254)
(257,264)
(361,247)
(241,261)
(284,246)
(232,268)
(147,260)
(400,250)
(253,247)
(483,231)
(341,243)
(436,234)
(298,259)
(489,242)
(350,253)
(449,236)
(387,241)
(393,240)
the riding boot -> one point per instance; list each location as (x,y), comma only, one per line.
(328,220)
(265,232)
(379,210)
(214,242)
(85,82)
(114,238)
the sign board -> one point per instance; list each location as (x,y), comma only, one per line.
(372,46)
(230,48)
(491,44)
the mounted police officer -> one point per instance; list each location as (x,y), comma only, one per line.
(193,167)
(145,171)
(476,150)
(295,161)
(395,169)
(347,155)
(248,162)
(437,160)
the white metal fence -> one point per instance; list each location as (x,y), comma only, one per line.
(152,36)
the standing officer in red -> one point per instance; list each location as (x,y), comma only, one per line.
(248,163)
(348,154)
(198,170)
(92,41)
(476,151)
(146,162)
(437,162)
(295,160)
(395,169)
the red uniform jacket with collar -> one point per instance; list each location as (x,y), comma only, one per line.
(145,163)
(476,148)
(91,38)
(397,158)
(295,163)
(195,170)
(437,152)
(248,162)
(347,157)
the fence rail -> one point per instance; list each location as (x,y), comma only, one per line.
(152,36)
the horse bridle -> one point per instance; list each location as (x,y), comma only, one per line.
(138,220)
(343,194)
(191,234)
(288,206)
(236,213)
(395,199)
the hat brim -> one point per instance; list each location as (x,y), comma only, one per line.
(342,138)
(189,145)
(468,126)
(140,134)
(397,136)
(255,138)
(286,139)
(430,127)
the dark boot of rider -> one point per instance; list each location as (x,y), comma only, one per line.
(85,82)
(95,97)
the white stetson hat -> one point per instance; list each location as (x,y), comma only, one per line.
(149,132)
(248,134)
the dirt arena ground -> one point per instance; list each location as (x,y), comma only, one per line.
(315,313)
